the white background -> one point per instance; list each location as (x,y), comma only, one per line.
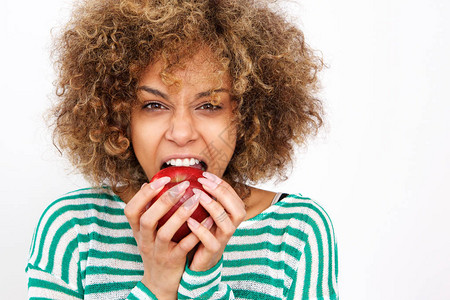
(381,167)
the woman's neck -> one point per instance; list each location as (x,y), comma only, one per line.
(258,201)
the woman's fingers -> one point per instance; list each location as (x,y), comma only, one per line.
(203,233)
(154,213)
(191,240)
(179,217)
(224,194)
(136,206)
(218,214)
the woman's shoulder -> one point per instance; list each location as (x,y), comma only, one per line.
(97,198)
(73,213)
(298,201)
(82,204)
(102,194)
(303,208)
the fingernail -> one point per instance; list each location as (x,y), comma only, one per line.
(160,182)
(211,184)
(193,223)
(212,177)
(178,189)
(145,183)
(202,196)
(190,202)
(208,222)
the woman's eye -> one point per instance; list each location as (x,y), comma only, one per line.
(210,106)
(153,106)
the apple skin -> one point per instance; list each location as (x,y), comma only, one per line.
(177,175)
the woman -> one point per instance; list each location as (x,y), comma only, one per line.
(146,84)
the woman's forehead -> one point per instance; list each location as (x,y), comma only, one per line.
(191,60)
(202,67)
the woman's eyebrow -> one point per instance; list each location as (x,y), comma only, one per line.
(166,97)
(154,92)
(208,93)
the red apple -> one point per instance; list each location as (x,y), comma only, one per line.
(177,175)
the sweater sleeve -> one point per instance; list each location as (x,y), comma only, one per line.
(53,269)
(318,270)
(141,292)
(204,285)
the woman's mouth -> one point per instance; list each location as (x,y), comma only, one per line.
(186,162)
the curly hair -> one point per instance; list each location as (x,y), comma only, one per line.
(107,44)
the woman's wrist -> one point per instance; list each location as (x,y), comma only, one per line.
(159,291)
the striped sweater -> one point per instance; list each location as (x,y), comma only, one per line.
(83,248)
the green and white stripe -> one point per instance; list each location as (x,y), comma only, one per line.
(83,248)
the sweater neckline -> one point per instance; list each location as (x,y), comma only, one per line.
(263,213)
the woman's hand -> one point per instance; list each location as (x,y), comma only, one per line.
(164,261)
(227,212)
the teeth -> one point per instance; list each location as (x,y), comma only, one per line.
(183,162)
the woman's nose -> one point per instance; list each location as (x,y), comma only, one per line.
(181,129)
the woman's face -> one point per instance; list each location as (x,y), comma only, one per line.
(179,121)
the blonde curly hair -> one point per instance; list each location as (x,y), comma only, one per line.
(107,44)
